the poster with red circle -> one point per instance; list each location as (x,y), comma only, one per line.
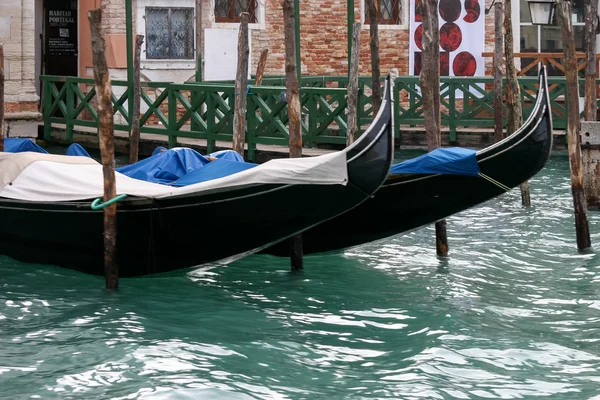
(462,38)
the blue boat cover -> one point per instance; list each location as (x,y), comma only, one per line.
(76,149)
(215,169)
(165,166)
(19,145)
(159,149)
(227,155)
(450,161)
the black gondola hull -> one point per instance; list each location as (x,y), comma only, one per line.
(163,236)
(407,202)
(166,234)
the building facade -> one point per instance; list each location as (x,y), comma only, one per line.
(17,35)
(51,37)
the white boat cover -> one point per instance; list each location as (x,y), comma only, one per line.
(45,177)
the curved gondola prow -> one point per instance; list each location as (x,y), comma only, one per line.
(375,145)
(540,109)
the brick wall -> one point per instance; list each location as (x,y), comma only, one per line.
(113,16)
(324,40)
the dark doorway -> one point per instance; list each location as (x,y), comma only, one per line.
(60,37)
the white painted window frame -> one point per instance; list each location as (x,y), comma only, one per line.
(260,16)
(150,63)
(387,27)
(517,17)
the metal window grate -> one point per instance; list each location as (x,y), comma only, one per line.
(170,33)
(389,12)
(230,10)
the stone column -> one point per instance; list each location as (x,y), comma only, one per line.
(17,34)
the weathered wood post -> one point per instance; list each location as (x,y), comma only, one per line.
(241,86)
(107,148)
(134,137)
(374,45)
(591,26)
(563,9)
(352,123)
(430,87)
(590,152)
(260,69)
(498,50)
(514,112)
(293,101)
(1,98)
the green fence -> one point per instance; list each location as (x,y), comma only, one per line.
(199,110)
(205,110)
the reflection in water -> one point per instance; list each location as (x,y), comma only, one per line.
(512,313)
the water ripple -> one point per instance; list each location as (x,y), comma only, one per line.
(512,313)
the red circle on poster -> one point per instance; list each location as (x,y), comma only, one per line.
(450,36)
(419,37)
(450,10)
(464,64)
(473,11)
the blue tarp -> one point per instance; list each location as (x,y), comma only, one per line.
(19,145)
(76,149)
(159,149)
(227,155)
(165,166)
(452,161)
(215,169)
(183,166)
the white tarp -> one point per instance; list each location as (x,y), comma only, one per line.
(36,177)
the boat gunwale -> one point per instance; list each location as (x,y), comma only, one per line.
(533,117)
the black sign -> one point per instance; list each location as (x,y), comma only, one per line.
(61,29)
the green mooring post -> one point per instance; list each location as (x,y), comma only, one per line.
(350,23)
(129,41)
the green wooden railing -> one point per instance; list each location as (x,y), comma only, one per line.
(205,110)
(199,110)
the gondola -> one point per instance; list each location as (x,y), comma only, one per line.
(46,215)
(435,186)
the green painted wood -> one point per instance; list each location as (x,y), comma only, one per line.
(206,109)
(70,111)
(172,118)
(47,110)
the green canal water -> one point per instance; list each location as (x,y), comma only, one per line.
(514,312)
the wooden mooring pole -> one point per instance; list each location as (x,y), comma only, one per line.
(1,98)
(352,125)
(134,137)
(260,69)
(514,114)
(591,26)
(107,148)
(591,149)
(498,41)
(563,8)
(430,87)
(241,86)
(293,101)
(374,45)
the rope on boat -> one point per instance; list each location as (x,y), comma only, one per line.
(495,182)
(98,205)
